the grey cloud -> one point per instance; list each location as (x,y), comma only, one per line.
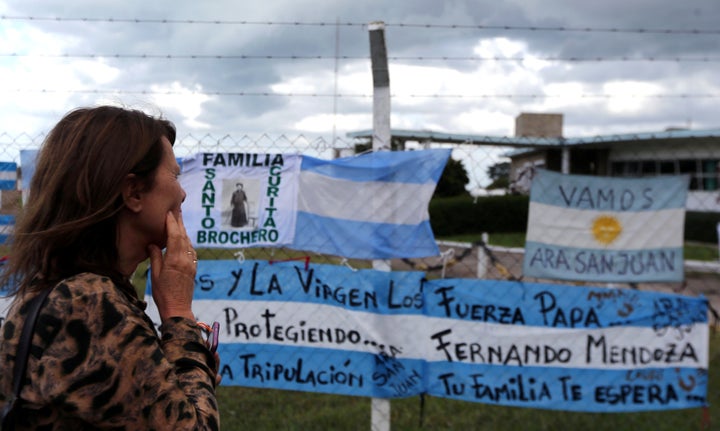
(279,114)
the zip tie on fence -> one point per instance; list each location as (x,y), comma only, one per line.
(305,258)
(239,256)
(345,262)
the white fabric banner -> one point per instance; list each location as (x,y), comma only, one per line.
(239,200)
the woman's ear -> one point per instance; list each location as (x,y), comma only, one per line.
(132,193)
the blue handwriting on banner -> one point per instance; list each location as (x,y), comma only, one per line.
(327,328)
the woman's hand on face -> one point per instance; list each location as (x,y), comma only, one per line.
(173,274)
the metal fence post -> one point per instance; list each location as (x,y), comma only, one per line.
(380,407)
(382,138)
(482,259)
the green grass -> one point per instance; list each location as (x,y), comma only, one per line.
(700,251)
(258,409)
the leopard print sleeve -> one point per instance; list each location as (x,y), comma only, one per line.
(99,364)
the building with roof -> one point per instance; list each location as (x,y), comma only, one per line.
(539,143)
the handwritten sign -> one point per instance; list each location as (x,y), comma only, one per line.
(605,229)
(566,348)
(325,328)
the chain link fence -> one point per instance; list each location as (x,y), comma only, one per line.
(476,253)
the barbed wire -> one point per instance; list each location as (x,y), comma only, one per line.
(694,31)
(363,95)
(360,57)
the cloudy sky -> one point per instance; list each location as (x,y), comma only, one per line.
(458,66)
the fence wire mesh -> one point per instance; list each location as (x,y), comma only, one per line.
(474,253)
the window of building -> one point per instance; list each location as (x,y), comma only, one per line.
(632,169)
(648,167)
(667,167)
(617,169)
(709,174)
(704,174)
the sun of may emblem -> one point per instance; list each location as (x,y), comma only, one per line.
(606,229)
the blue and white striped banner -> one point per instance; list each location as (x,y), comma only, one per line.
(372,206)
(5,300)
(603,229)
(28,160)
(330,329)
(8,176)
(566,347)
(7,227)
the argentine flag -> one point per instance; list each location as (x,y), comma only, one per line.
(7,226)
(372,206)
(28,159)
(605,229)
(8,176)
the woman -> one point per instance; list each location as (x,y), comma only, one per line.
(105,197)
(239,203)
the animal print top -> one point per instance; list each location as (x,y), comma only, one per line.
(97,362)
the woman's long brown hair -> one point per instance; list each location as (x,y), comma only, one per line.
(68,224)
